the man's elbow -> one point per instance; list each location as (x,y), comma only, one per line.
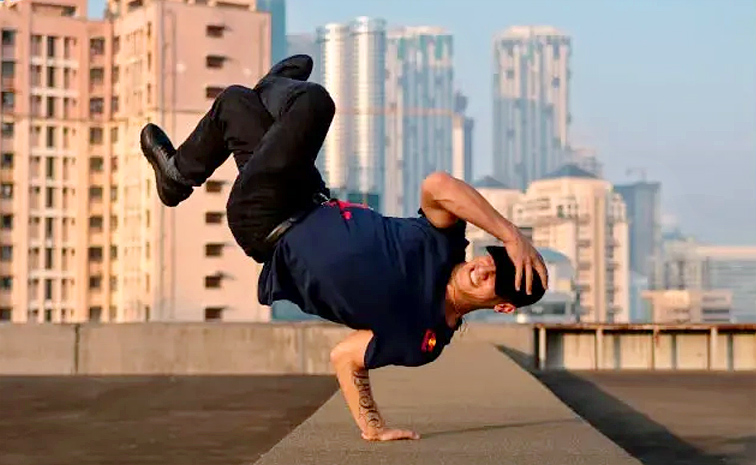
(437,181)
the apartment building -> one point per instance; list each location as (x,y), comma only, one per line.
(575,213)
(83,233)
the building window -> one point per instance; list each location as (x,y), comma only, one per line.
(36,45)
(9,37)
(7,160)
(96,164)
(8,100)
(95,223)
(6,313)
(49,197)
(95,282)
(95,136)
(214,61)
(114,104)
(51,107)
(49,228)
(96,106)
(213,282)
(213,250)
(6,253)
(213,217)
(8,70)
(48,258)
(6,222)
(95,193)
(51,42)
(49,167)
(95,314)
(6,190)
(50,137)
(113,252)
(6,283)
(95,254)
(213,91)
(96,76)
(7,130)
(213,186)
(97,46)
(51,76)
(214,31)
(213,313)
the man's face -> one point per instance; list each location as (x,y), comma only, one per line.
(478,280)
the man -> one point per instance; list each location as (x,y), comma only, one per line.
(401,283)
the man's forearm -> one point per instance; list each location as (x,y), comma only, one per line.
(466,203)
(355,386)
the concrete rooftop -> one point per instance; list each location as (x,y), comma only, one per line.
(474,405)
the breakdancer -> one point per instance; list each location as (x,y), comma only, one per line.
(402,284)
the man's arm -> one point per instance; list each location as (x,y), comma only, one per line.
(348,361)
(445,199)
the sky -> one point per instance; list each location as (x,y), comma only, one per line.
(668,86)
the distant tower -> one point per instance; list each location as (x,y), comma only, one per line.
(420,101)
(353,64)
(278,44)
(531,103)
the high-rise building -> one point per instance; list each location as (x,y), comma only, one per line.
(580,216)
(353,68)
(531,103)
(278,40)
(462,141)
(643,201)
(83,234)
(421,111)
(584,158)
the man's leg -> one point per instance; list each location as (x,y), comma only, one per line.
(235,124)
(280,179)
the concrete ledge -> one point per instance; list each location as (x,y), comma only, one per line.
(38,349)
(473,405)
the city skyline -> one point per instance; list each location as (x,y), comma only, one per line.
(637,97)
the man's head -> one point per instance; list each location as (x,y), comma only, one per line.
(489,282)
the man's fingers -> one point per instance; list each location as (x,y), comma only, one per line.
(402,434)
(541,269)
(528,276)
(518,274)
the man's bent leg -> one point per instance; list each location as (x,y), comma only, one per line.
(235,123)
(280,179)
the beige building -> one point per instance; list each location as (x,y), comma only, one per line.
(689,306)
(579,215)
(82,231)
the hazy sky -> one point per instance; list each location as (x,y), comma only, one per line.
(665,85)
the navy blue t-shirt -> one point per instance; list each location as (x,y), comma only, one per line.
(354,266)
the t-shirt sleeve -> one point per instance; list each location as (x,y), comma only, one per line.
(455,234)
(397,349)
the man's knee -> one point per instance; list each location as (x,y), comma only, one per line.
(320,100)
(232,93)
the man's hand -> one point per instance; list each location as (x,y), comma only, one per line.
(526,258)
(390,435)
(348,359)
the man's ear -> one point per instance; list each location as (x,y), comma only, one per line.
(505,308)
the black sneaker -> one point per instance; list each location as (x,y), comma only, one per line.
(157,148)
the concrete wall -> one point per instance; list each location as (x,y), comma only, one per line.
(37,349)
(648,347)
(280,348)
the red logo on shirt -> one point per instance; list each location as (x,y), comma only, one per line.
(429,341)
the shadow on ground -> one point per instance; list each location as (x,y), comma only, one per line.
(646,435)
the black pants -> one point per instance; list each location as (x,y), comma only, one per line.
(275,132)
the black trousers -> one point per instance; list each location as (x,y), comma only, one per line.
(275,132)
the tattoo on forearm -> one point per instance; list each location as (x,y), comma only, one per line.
(368,409)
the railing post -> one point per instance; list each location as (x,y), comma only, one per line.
(541,348)
(713,347)
(598,345)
